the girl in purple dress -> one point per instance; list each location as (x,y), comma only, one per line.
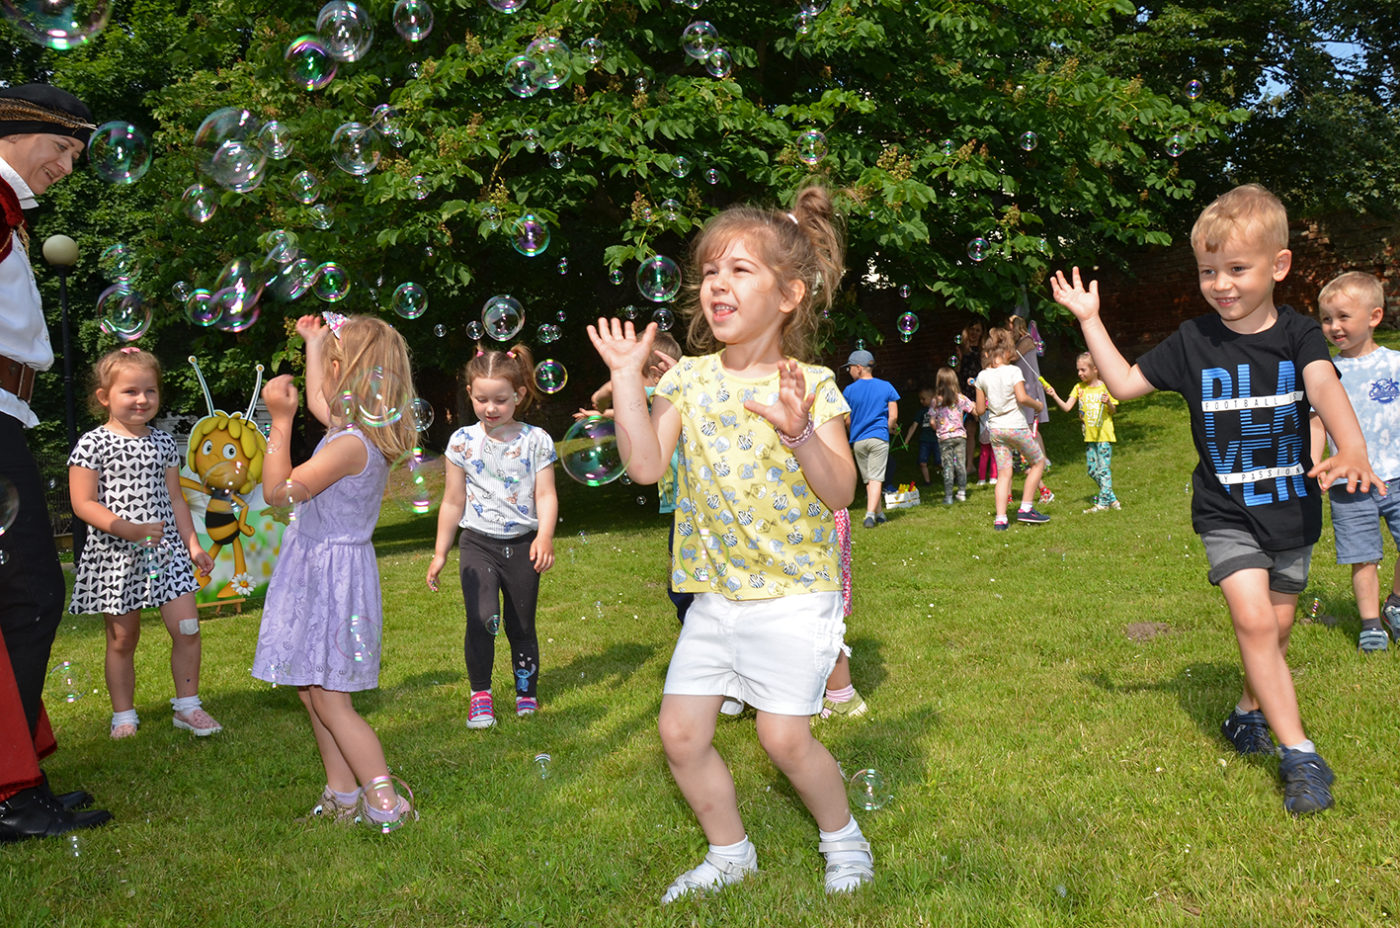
(321,625)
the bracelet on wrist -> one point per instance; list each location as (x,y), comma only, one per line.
(801,438)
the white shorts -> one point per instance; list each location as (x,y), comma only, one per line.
(774,654)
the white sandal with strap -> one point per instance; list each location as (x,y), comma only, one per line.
(714,872)
(839,874)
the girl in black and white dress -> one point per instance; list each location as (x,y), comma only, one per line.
(124,478)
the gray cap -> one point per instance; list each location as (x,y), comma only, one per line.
(862,357)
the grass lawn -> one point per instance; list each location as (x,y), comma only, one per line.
(1045,706)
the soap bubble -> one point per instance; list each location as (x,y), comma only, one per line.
(802,23)
(907,323)
(953,361)
(563,266)
(181,290)
(1028,141)
(592,49)
(321,216)
(413,19)
(664,319)
(123,312)
(529,235)
(712,176)
(719,63)
(331,283)
(520,77)
(659,279)
(550,376)
(201,309)
(905,290)
(680,167)
(240,275)
(419,187)
(283,499)
(9,504)
(68,680)
(118,263)
(670,209)
(374,398)
(233,310)
(306,187)
(502,316)
(1176,145)
(281,248)
(699,39)
(119,152)
(978,248)
(230,151)
(867,790)
(946,146)
(615,277)
(58,24)
(552,61)
(557,160)
(1194,89)
(589,452)
(692,4)
(548,333)
(357,639)
(811,146)
(474,330)
(415,481)
(813,7)
(345,29)
(275,141)
(640,83)
(292,282)
(422,413)
(531,137)
(507,6)
(440,330)
(309,64)
(355,148)
(410,300)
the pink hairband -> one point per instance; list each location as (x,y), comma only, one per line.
(129,349)
(333,321)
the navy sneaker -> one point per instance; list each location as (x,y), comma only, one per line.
(1307,782)
(1031,516)
(999,526)
(1390,616)
(1248,732)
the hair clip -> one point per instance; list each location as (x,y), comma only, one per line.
(333,321)
(511,355)
(479,352)
(129,349)
(793,218)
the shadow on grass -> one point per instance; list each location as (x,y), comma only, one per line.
(1205,691)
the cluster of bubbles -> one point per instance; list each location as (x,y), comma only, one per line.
(546,65)
(589,452)
(700,41)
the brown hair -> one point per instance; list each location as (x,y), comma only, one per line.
(666,344)
(107,366)
(375,372)
(804,245)
(946,387)
(1365,288)
(999,343)
(515,365)
(1248,210)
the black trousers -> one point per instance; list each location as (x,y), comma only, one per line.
(500,588)
(31,580)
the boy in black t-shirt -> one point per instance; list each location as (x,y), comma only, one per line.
(1248,374)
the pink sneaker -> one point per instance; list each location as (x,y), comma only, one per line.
(481,712)
(197,721)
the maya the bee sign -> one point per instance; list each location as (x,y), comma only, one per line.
(222,481)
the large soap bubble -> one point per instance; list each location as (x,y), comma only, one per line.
(410,300)
(589,452)
(275,140)
(123,312)
(355,148)
(550,376)
(659,279)
(119,152)
(529,235)
(230,150)
(520,74)
(699,39)
(413,19)
(345,29)
(331,283)
(503,317)
(811,146)
(57,24)
(309,63)
(552,61)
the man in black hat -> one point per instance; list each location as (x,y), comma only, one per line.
(43,131)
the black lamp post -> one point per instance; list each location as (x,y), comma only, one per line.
(62,253)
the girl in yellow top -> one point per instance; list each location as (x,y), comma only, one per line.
(765,462)
(1096,407)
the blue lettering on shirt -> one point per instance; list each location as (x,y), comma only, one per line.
(1269,433)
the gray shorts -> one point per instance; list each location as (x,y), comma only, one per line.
(1230,550)
(872,457)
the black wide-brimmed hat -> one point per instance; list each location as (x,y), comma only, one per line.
(44,108)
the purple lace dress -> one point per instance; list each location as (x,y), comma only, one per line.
(321,624)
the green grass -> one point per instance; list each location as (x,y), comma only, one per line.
(1048,768)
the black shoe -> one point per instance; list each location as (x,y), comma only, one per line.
(1307,782)
(78,799)
(33,813)
(1248,732)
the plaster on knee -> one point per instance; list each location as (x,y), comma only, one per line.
(189,626)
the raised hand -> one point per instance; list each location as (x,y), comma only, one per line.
(311,328)
(790,413)
(1084,303)
(619,345)
(280,396)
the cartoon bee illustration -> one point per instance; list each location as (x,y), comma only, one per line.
(226,453)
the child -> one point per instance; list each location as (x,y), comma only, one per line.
(322,624)
(1350,308)
(500,492)
(928,437)
(1248,373)
(1027,358)
(969,355)
(950,412)
(1096,409)
(664,357)
(874,417)
(842,699)
(124,477)
(1001,392)
(765,463)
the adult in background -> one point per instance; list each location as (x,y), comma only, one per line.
(1028,360)
(43,131)
(873,417)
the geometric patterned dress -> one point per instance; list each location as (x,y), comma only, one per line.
(116,576)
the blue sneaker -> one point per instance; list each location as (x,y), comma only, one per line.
(1307,782)
(1032,516)
(1248,732)
(999,525)
(1390,616)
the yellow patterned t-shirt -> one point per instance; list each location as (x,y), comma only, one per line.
(747,524)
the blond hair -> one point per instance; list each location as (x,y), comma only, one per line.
(107,366)
(375,386)
(805,244)
(1365,288)
(1248,210)
(515,365)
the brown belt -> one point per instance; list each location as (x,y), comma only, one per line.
(17,378)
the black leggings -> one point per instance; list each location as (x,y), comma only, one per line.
(496,570)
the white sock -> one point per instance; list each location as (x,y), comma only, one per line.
(1306,746)
(1241,710)
(185,703)
(125,717)
(742,855)
(851,832)
(1025,507)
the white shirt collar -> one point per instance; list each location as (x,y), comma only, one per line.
(21,189)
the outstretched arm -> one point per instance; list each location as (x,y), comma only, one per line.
(1124,381)
(1065,405)
(646,451)
(312,330)
(1349,464)
(284,484)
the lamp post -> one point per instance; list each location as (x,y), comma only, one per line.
(62,253)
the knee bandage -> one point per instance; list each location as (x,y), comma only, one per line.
(189,626)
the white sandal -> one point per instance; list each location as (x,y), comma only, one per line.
(724,871)
(839,873)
